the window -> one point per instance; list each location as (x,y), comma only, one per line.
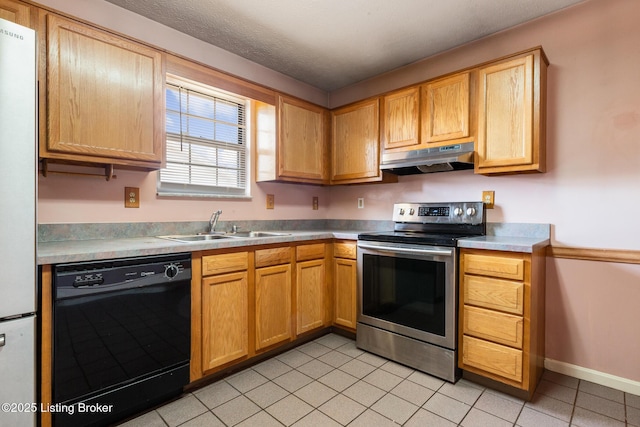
(206,147)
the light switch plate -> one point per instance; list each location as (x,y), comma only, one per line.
(271,201)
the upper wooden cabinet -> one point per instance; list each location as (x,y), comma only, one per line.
(105,97)
(302,141)
(432,114)
(445,110)
(355,143)
(15,11)
(512,115)
(300,152)
(400,125)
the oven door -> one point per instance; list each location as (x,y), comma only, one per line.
(409,290)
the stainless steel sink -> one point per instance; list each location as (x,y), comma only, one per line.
(202,237)
(256,234)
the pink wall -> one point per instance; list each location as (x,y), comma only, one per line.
(592,315)
(589,194)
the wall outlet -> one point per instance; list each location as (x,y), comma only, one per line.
(271,201)
(314,203)
(131,197)
(360,202)
(488,198)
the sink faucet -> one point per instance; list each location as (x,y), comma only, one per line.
(213,221)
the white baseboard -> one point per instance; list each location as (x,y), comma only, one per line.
(608,380)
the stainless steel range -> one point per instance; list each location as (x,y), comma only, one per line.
(408,285)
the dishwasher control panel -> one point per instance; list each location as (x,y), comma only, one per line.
(99,276)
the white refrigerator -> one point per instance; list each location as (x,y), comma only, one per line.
(18,180)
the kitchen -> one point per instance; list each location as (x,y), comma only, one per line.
(592,123)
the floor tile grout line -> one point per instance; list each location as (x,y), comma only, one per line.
(386,367)
(575,400)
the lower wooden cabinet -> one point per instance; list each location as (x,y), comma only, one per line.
(273,297)
(345,285)
(273,305)
(311,287)
(224,308)
(225,303)
(249,301)
(501,331)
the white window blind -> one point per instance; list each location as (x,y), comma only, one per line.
(206,147)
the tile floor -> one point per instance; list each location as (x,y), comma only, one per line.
(329,382)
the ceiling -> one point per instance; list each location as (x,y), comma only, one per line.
(330,44)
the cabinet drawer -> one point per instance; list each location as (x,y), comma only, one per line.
(496,266)
(494,326)
(275,256)
(224,263)
(497,294)
(494,358)
(307,252)
(344,250)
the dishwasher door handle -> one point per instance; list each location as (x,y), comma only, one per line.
(3,340)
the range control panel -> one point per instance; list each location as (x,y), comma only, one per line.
(441,213)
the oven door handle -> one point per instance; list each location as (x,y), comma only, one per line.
(446,252)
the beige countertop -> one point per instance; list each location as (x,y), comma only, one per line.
(98,249)
(57,252)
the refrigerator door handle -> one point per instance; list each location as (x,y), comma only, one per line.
(2,340)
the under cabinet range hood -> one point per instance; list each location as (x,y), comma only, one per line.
(429,160)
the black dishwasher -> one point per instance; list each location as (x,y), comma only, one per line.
(121,337)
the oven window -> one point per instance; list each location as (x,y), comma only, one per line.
(405,291)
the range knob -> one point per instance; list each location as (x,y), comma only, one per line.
(471,211)
(401,211)
(171,271)
(412,211)
(458,211)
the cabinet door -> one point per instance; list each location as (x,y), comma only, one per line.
(273,305)
(445,109)
(225,304)
(105,97)
(356,143)
(310,292)
(302,143)
(505,362)
(15,11)
(400,119)
(511,116)
(345,292)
